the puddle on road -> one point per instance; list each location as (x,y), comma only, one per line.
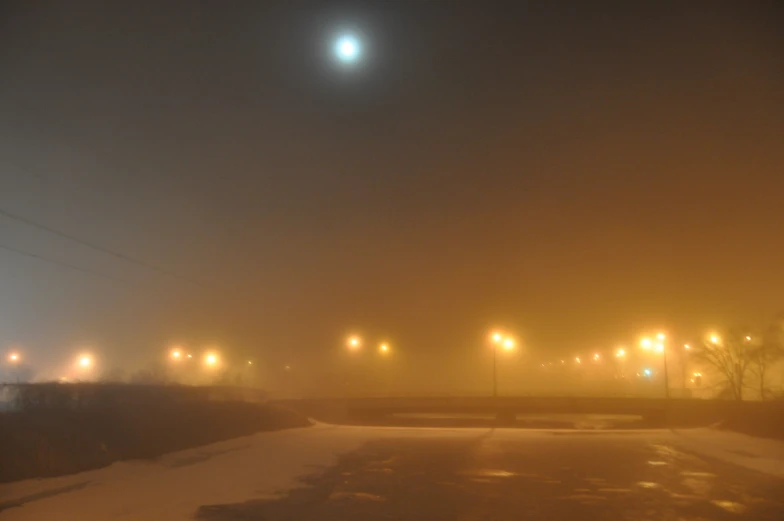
(730,506)
(490,473)
(364,496)
(694,474)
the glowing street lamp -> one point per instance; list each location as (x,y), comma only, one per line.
(596,357)
(714,339)
(646,343)
(620,353)
(211,360)
(84,362)
(507,343)
(354,343)
(176,354)
(14,358)
(577,359)
(383,349)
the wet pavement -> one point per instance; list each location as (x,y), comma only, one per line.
(503,475)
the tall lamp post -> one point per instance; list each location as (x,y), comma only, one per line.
(499,340)
(659,347)
(15,359)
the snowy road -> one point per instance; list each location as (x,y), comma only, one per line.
(443,473)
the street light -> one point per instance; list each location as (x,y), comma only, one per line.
(647,344)
(211,360)
(354,343)
(85,361)
(383,349)
(620,353)
(176,354)
(714,339)
(507,343)
(14,358)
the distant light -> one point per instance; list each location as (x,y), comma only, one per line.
(250,362)
(14,358)
(660,348)
(646,343)
(647,372)
(497,337)
(596,356)
(661,336)
(509,344)
(383,348)
(190,355)
(696,374)
(620,353)
(347,48)
(287,368)
(354,342)
(748,338)
(563,361)
(211,359)
(85,361)
(686,346)
(176,354)
(714,339)
(577,359)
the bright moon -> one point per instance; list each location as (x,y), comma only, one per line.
(347,49)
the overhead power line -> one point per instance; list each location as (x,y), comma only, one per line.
(94,246)
(58,263)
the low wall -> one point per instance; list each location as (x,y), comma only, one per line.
(758,418)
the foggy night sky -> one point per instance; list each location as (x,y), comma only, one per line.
(575,173)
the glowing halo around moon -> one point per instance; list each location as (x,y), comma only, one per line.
(347,48)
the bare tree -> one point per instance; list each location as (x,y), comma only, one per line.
(730,355)
(764,355)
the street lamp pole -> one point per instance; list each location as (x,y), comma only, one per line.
(495,370)
(666,376)
(663,347)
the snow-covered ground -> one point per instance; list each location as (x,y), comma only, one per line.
(763,455)
(267,464)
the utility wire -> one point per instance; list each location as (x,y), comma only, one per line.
(94,246)
(59,263)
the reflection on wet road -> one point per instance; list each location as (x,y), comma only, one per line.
(501,475)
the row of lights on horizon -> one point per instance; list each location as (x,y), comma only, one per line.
(647,343)
(210,359)
(83,361)
(354,343)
